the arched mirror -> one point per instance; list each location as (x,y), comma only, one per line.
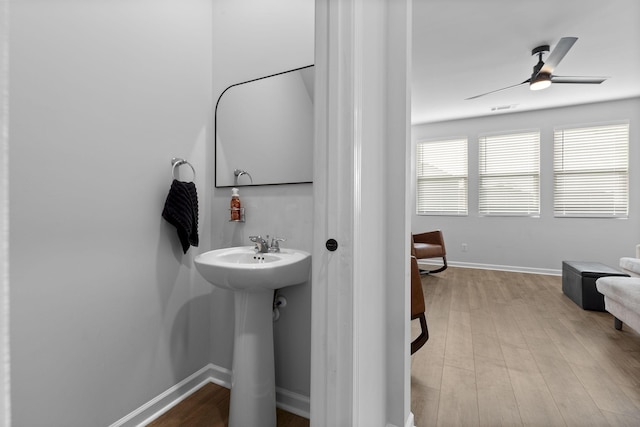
(264,130)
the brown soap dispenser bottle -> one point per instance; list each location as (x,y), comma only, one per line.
(235,205)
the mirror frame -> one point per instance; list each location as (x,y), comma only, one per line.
(215,133)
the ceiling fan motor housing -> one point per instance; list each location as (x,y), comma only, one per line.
(540,49)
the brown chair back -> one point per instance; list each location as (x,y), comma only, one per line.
(418,307)
(417,296)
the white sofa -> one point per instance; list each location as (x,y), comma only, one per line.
(622,294)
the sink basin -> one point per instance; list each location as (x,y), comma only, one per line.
(240,268)
(253,277)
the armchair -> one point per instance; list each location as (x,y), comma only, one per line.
(418,307)
(429,245)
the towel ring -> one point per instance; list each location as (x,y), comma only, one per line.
(239,172)
(178,162)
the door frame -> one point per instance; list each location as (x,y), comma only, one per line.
(360,367)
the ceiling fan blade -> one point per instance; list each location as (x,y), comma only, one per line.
(578,79)
(498,90)
(557,54)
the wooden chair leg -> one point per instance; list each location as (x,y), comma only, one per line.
(424,334)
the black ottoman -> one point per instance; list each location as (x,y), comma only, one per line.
(579,282)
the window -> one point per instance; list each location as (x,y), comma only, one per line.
(509,174)
(591,171)
(441,172)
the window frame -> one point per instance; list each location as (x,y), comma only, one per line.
(462,195)
(512,178)
(616,210)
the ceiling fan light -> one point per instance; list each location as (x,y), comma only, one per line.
(541,81)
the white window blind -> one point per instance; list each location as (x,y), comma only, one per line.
(509,174)
(591,171)
(441,174)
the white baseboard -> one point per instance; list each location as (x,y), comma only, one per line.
(410,421)
(289,401)
(515,269)
(293,402)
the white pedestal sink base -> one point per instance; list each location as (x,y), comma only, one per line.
(253,394)
(253,278)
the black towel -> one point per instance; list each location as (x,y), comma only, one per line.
(181,210)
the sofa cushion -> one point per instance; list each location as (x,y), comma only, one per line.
(630,264)
(623,289)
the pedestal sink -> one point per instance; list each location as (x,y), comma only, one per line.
(253,277)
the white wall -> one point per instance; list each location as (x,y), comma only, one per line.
(537,244)
(106,311)
(251,39)
(5,413)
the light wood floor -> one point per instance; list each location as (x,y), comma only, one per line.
(504,349)
(209,407)
(510,349)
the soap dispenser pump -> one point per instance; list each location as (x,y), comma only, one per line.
(235,205)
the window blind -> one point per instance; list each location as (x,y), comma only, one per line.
(509,174)
(591,171)
(441,173)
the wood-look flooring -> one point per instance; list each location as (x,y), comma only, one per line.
(509,349)
(505,349)
(209,407)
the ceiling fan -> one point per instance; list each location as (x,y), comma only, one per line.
(543,76)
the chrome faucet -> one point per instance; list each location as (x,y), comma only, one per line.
(261,245)
(275,244)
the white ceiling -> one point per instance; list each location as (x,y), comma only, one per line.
(463,48)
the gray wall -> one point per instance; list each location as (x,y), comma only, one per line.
(251,39)
(536,244)
(4,217)
(106,311)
